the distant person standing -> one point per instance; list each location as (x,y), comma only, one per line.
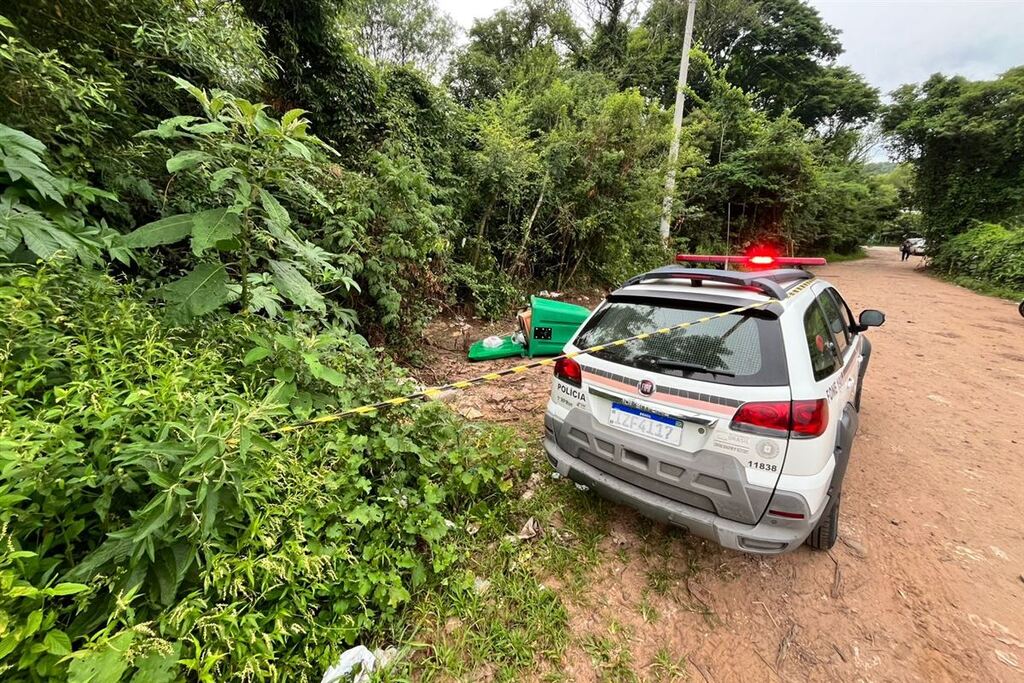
(905,250)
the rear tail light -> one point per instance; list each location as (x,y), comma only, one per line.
(798,419)
(763,418)
(810,418)
(568,370)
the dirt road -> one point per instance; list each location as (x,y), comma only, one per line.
(927,582)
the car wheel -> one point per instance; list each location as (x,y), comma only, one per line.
(825,534)
(1021,308)
(856,397)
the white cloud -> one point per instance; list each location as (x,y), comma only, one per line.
(892,42)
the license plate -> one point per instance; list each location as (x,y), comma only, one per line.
(656,427)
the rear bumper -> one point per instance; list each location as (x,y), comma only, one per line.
(767,537)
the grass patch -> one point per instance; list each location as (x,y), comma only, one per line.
(667,667)
(611,659)
(981,286)
(499,620)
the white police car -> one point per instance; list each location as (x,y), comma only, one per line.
(738,429)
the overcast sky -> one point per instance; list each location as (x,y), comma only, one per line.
(892,42)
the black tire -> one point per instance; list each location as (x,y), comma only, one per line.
(856,398)
(825,534)
(1021,308)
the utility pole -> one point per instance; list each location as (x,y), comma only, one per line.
(677,124)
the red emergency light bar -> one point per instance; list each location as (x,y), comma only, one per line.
(757,260)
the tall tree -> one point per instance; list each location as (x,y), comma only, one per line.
(320,70)
(404,32)
(528,30)
(966,143)
(781,51)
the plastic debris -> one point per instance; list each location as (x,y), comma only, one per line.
(470,413)
(530,530)
(355,665)
(492,342)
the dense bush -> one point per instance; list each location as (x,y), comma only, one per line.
(151,513)
(990,253)
(966,145)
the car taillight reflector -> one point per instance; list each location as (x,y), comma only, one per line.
(787,515)
(766,416)
(568,370)
(800,419)
(810,418)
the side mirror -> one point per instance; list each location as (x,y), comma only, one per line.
(870,318)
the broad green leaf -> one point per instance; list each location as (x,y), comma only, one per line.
(112,550)
(23,591)
(168,128)
(106,663)
(290,116)
(312,193)
(212,226)
(37,232)
(397,595)
(264,123)
(157,518)
(265,298)
(57,643)
(7,645)
(185,160)
(208,128)
(12,137)
(9,238)
(297,149)
(221,176)
(197,93)
(67,589)
(287,342)
(32,623)
(257,354)
(164,231)
(211,505)
(203,290)
(295,287)
(36,174)
(158,667)
(278,219)
(321,371)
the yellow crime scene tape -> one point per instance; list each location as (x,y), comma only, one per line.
(435,392)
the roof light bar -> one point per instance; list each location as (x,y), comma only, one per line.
(756,260)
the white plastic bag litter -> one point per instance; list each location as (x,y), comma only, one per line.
(355,665)
(492,342)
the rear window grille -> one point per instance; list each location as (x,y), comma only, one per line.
(745,348)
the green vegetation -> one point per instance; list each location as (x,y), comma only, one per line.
(219,218)
(150,505)
(987,257)
(964,141)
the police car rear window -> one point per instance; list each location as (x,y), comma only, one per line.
(738,349)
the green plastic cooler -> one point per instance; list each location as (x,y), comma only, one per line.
(546,327)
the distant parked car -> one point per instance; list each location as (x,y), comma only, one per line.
(917,246)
